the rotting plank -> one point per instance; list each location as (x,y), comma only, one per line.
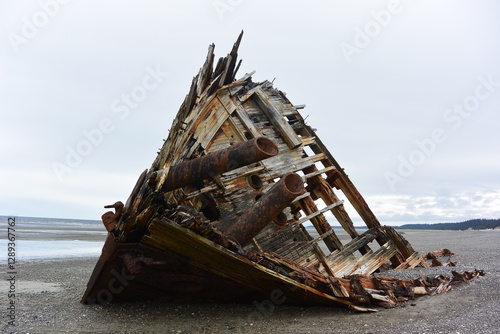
(403,246)
(213,117)
(357,201)
(319,222)
(317,212)
(226,179)
(279,164)
(237,130)
(276,119)
(412,261)
(317,172)
(307,141)
(320,188)
(344,183)
(368,263)
(321,237)
(247,122)
(298,251)
(354,245)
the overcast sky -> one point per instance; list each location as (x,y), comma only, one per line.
(405,94)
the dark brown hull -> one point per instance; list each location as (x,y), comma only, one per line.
(193,270)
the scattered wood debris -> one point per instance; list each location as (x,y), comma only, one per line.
(233,209)
(440,253)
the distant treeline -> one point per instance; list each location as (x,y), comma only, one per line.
(474,224)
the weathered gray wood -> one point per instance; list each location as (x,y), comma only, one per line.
(319,212)
(318,172)
(352,246)
(323,190)
(247,122)
(205,71)
(412,261)
(321,237)
(276,165)
(306,141)
(368,263)
(276,119)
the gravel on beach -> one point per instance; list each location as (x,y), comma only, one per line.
(48,294)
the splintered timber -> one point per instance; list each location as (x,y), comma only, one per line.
(221,214)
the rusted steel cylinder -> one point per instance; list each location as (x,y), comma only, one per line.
(266,208)
(215,163)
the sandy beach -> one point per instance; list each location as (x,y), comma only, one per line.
(48,294)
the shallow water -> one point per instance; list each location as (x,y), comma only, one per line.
(49,238)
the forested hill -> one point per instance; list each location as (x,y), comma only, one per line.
(474,224)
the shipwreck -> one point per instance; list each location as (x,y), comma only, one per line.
(235,206)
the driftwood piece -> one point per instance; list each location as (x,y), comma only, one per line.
(437,253)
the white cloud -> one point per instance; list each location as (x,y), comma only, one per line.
(443,207)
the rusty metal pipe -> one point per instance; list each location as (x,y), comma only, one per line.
(215,163)
(266,208)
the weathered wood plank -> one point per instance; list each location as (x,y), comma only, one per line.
(315,216)
(321,237)
(403,246)
(318,172)
(206,71)
(318,212)
(304,195)
(210,120)
(307,141)
(281,164)
(276,119)
(226,180)
(352,246)
(368,263)
(247,122)
(322,189)
(412,261)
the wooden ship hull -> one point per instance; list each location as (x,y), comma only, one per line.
(225,212)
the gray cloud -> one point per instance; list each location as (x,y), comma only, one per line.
(369,111)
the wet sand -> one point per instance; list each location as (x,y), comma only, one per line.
(48,294)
